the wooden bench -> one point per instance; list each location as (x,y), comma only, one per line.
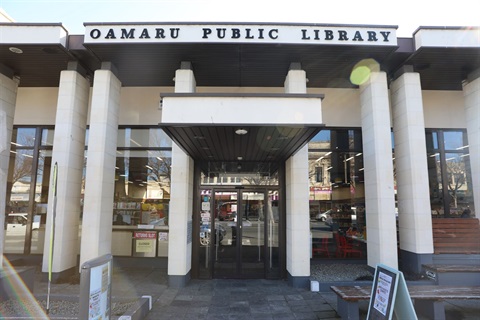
(428,300)
(456,235)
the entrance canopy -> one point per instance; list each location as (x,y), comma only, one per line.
(244,133)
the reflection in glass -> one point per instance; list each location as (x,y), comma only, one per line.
(449,173)
(431,140)
(336,175)
(18,197)
(272,219)
(47,137)
(41,200)
(435,183)
(142,180)
(457,183)
(143,138)
(453,140)
(23,137)
(253,240)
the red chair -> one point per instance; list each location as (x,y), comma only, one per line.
(323,248)
(347,248)
(339,251)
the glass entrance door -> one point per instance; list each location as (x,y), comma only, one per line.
(240,251)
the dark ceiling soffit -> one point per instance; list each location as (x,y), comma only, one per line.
(170,130)
(184,135)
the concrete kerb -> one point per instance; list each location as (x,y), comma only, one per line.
(139,310)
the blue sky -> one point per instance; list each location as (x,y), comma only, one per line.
(408,14)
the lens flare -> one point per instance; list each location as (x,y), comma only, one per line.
(362,71)
(20,292)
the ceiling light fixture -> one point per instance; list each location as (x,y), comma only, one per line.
(15,50)
(241,131)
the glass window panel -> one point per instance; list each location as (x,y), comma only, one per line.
(86,137)
(435,183)
(18,197)
(24,137)
(143,174)
(143,138)
(321,140)
(457,183)
(432,140)
(272,219)
(341,140)
(41,200)
(357,141)
(337,201)
(453,140)
(47,137)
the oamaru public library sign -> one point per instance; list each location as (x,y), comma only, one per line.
(241,33)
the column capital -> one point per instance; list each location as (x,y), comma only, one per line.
(107,65)
(9,73)
(186,65)
(185,78)
(403,69)
(76,66)
(296,79)
(295,66)
(6,71)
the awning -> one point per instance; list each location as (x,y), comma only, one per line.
(236,133)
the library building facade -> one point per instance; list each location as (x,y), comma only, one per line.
(241,150)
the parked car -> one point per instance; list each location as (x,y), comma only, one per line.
(17,223)
(324,216)
(205,233)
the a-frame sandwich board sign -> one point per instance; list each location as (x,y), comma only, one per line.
(390,296)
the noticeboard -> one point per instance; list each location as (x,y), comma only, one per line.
(144,243)
(389,295)
(96,288)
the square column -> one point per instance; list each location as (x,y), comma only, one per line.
(8,97)
(377,158)
(413,195)
(471,92)
(101,156)
(181,199)
(297,197)
(68,153)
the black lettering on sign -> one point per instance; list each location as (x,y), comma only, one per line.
(130,34)
(357,36)
(385,35)
(95,34)
(206,32)
(304,35)
(342,35)
(160,33)
(271,32)
(174,32)
(110,34)
(235,33)
(145,34)
(221,32)
(372,36)
(328,35)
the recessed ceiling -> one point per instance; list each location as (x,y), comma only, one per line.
(218,148)
(238,65)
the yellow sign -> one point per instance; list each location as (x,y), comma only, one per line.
(144,245)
